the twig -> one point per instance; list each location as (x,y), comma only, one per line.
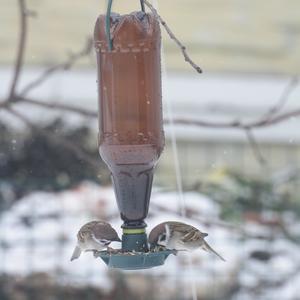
(55,139)
(73,58)
(142,5)
(21,49)
(173,37)
(236,124)
(59,106)
(284,97)
(255,148)
(208,124)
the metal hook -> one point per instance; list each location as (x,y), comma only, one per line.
(107,25)
(107,22)
(142,5)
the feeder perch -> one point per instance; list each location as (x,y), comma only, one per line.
(131,136)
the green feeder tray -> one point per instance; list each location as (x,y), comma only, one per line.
(134,254)
(135,260)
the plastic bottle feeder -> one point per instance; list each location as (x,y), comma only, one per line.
(131,136)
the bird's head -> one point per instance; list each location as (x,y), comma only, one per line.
(162,239)
(159,236)
(84,235)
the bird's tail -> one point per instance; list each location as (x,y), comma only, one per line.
(76,253)
(208,248)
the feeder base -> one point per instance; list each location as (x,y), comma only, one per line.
(135,260)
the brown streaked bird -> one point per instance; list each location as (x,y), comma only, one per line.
(179,236)
(94,236)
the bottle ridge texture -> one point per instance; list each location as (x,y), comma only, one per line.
(131,136)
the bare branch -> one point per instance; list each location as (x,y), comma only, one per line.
(55,139)
(255,149)
(59,106)
(21,48)
(208,124)
(173,37)
(73,58)
(236,124)
(277,119)
(284,97)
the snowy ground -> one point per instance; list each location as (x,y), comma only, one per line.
(39,232)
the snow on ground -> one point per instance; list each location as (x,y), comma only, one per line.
(38,234)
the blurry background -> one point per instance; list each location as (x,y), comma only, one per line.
(241,186)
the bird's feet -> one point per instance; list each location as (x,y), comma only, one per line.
(112,250)
(96,253)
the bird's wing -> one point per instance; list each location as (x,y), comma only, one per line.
(192,235)
(183,228)
(179,227)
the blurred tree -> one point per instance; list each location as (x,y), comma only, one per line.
(35,162)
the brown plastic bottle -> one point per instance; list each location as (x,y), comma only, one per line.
(131,136)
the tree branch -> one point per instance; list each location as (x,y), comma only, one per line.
(284,97)
(236,124)
(59,106)
(21,49)
(73,58)
(173,37)
(255,149)
(55,139)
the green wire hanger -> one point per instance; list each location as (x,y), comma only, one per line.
(107,22)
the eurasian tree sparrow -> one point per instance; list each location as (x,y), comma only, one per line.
(94,236)
(179,236)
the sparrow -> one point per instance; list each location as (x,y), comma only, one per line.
(179,237)
(94,236)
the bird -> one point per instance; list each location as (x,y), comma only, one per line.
(179,237)
(94,236)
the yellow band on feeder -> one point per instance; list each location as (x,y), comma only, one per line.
(134,231)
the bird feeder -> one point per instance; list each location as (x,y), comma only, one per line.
(131,136)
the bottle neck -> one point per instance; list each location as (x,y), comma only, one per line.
(139,225)
(135,239)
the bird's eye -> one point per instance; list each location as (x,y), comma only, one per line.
(162,237)
(105,242)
